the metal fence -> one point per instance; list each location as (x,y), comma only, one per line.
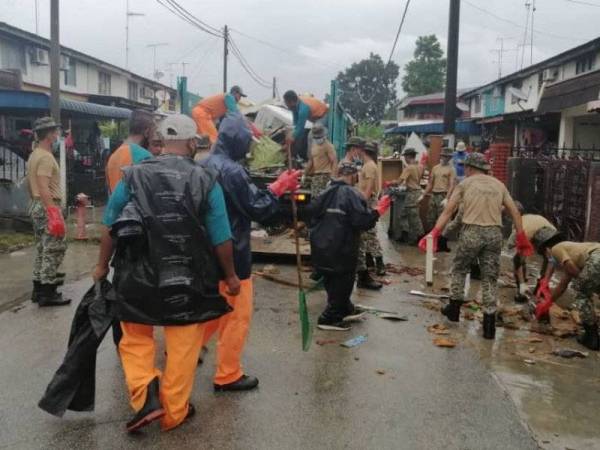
(561,184)
(12,165)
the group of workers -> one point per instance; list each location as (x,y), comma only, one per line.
(178,234)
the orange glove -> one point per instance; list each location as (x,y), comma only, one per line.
(524,247)
(383,205)
(56,223)
(287,181)
(544,297)
(435,234)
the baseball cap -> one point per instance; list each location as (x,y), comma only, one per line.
(237,90)
(177,127)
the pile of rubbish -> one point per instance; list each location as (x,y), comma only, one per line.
(266,154)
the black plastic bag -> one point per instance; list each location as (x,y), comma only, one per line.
(74,383)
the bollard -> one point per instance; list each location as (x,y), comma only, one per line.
(429,260)
(82,202)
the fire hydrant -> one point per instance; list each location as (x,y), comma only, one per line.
(81,202)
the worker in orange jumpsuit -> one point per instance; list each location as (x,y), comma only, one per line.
(213,108)
(166,271)
(303,108)
(134,150)
(245,203)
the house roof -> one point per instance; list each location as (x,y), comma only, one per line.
(561,58)
(436,98)
(14,32)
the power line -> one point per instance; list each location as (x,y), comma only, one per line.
(189,14)
(491,14)
(192,20)
(399,30)
(584,3)
(246,65)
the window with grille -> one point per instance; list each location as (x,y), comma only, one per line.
(132,91)
(103,83)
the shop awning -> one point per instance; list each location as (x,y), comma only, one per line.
(36,101)
(433,127)
(573,92)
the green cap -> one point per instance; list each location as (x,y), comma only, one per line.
(477,160)
(372,147)
(447,151)
(409,151)
(355,141)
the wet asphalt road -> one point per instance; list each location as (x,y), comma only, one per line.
(327,398)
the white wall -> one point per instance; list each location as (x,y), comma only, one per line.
(530,87)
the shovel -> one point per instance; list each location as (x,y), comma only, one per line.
(305,325)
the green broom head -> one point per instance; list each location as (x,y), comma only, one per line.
(305,325)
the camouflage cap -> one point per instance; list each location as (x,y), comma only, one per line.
(409,151)
(318,132)
(347,168)
(546,237)
(44,123)
(447,151)
(355,141)
(372,147)
(477,161)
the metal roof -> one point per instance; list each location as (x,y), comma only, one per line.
(23,100)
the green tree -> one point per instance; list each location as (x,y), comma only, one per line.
(368,88)
(425,74)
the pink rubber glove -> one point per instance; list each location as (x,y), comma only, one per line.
(383,205)
(435,234)
(287,181)
(56,223)
(524,247)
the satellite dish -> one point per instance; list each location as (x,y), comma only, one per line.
(518,93)
(462,106)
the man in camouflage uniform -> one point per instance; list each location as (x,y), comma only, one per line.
(48,224)
(439,188)
(481,237)
(580,262)
(411,178)
(368,185)
(322,161)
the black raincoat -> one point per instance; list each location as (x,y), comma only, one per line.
(166,272)
(245,202)
(74,383)
(337,217)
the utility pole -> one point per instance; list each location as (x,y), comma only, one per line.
(274,87)
(37,17)
(528,8)
(155,73)
(128,14)
(54,61)
(532,31)
(225,54)
(451,68)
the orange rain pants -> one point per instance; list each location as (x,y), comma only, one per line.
(205,123)
(137,350)
(233,331)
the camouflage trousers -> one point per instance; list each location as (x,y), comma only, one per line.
(50,250)
(483,244)
(435,208)
(586,285)
(318,183)
(369,243)
(410,218)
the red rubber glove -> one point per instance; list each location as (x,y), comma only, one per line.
(287,181)
(435,234)
(545,299)
(383,205)
(56,223)
(524,247)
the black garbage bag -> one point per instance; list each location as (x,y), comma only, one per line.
(74,383)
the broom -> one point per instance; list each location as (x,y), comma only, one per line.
(305,325)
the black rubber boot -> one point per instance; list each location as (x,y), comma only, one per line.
(489,326)
(590,338)
(245,383)
(521,299)
(151,411)
(452,310)
(49,297)
(35,293)
(369,262)
(380,266)
(475,272)
(364,281)
(443,245)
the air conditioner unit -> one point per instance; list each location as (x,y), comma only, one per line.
(147,92)
(550,74)
(65,62)
(39,56)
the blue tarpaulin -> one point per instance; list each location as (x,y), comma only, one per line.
(23,100)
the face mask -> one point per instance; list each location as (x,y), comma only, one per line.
(444,162)
(319,141)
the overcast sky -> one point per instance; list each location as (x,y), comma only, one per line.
(311,40)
